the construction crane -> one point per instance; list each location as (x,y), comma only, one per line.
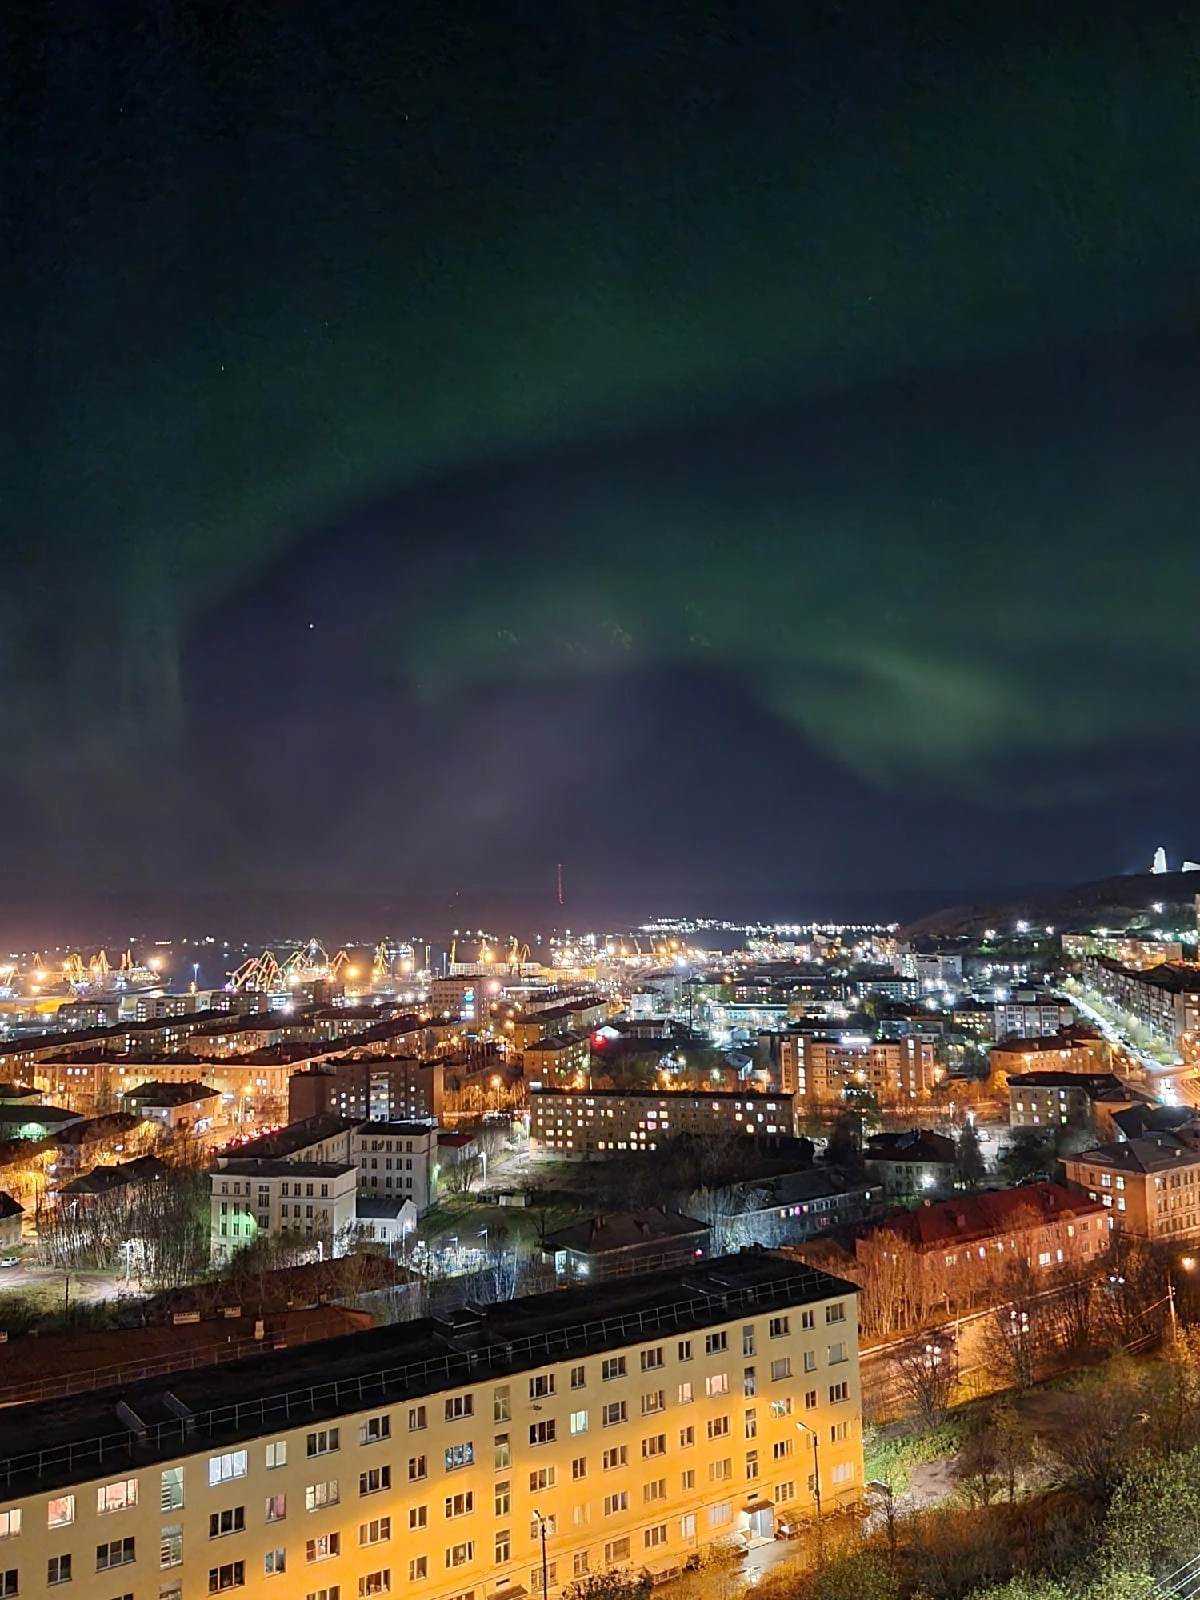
(338,962)
(72,969)
(517,954)
(99,968)
(259,973)
(381,966)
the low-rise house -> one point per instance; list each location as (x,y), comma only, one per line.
(387,1220)
(625,1244)
(98,1139)
(176,1107)
(912,1165)
(26,1121)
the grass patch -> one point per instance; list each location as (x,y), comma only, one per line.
(891,1458)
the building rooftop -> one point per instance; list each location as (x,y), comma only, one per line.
(371,1207)
(984,1216)
(282,1169)
(665,1096)
(1064,1039)
(1096,1085)
(392,1130)
(45,1116)
(1140,1119)
(296,1136)
(1149,1152)
(1171,976)
(918,1144)
(106,1180)
(53,1443)
(627,1230)
(169,1094)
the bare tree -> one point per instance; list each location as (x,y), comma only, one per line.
(460,1175)
(924,1371)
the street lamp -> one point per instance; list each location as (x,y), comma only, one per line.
(541,1522)
(816,1469)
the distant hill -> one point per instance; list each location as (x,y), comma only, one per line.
(1117,903)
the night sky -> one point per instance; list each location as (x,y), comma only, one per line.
(744,452)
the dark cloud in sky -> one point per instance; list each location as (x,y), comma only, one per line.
(742,451)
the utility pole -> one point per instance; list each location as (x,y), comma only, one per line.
(812,1432)
(541,1522)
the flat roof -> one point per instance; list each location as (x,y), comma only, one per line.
(283,1169)
(415,1130)
(54,1443)
(664,1095)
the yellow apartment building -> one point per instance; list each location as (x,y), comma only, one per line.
(637,1422)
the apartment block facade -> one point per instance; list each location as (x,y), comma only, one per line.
(379,1088)
(1151,1183)
(397,1160)
(892,1069)
(282,1199)
(1165,998)
(599,1122)
(635,1423)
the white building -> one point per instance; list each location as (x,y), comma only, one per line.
(284,1199)
(397,1159)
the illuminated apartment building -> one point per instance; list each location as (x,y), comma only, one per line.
(606,1121)
(636,1422)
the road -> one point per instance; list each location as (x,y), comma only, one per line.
(1174,1085)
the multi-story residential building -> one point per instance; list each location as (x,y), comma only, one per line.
(370,1088)
(283,1199)
(1151,1183)
(892,1069)
(1129,950)
(959,1242)
(1076,1050)
(397,1159)
(1069,1100)
(558,1059)
(577,1015)
(1165,998)
(793,1077)
(1031,1016)
(458,997)
(589,1122)
(633,1424)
